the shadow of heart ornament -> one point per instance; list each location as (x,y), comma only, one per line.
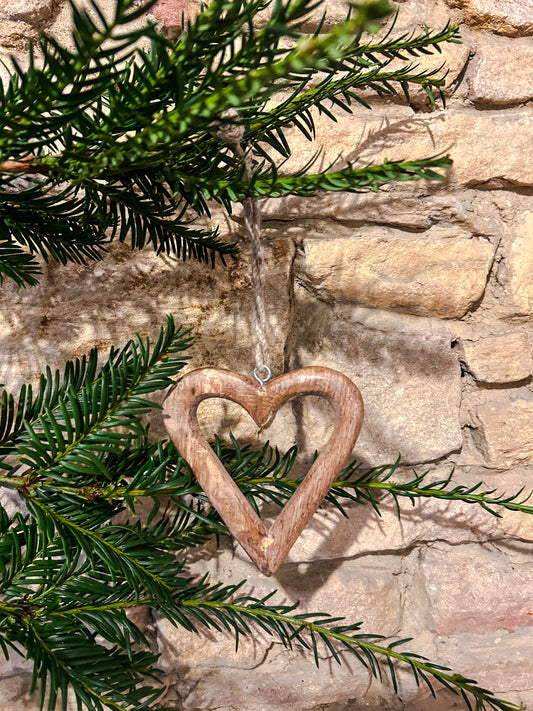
(267,548)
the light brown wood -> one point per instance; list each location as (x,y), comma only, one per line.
(267,548)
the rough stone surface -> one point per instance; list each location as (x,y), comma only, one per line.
(15,684)
(517,265)
(506,358)
(460,599)
(456,579)
(405,368)
(500,661)
(487,147)
(330,536)
(14,35)
(34,12)
(500,72)
(171,13)
(506,17)
(79,305)
(411,206)
(443,279)
(503,428)
(293,681)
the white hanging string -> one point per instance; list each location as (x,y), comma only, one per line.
(232,134)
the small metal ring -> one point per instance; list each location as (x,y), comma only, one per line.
(260,380)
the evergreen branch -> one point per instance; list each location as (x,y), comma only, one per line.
(256,85)
(130,132)
(72,426)
(339,91)
(50,225)
(378,479)
(267,183)
(100,678)
(264,475)
(307,628)
(16,264)
(123,550)
(140,211)
(348,179)
(410,44)
(40,100)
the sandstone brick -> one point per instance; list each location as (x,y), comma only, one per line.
(14,35)
(286,681)
(517,266)
(106,302)
(271,678)
(171,13)
(15,684)
(478,589)
(518,525)
(500,72)
(443,279)
(503,428)
(513,523)
(499,661)
(330,536)
(34,12)
(486,147)
(505,17)
(414,206)
(505,358)
(405,368)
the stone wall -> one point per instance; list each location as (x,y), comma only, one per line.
(423,295)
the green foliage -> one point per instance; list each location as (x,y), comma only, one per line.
(110,140)
(78,452)
(119,137)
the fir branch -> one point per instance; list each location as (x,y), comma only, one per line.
(16,264)
(265,475)
(307,629)
(361,488)
(70,424)
(347,179)
(121,143)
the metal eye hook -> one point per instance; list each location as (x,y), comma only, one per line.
(264,380)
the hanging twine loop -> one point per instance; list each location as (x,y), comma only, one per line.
(233,134)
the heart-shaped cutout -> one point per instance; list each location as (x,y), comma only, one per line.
(269,548)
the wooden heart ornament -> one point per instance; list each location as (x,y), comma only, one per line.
(267,548)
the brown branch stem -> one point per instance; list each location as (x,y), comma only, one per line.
(30,164)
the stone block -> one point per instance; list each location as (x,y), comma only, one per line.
(515,271)
(477,590)
(500,661)
(404,367)
(34,12)
(418,207)
(503,428)
(506,358)
(330,536)
(486,147)
(102,303)
(15,684)
(505,17)
(500,72)
(170,14)
(205,669)
(443,279)
(14,36)
(285,681)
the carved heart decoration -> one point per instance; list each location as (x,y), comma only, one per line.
(269,548)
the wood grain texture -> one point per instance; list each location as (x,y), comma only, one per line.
(267,548)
